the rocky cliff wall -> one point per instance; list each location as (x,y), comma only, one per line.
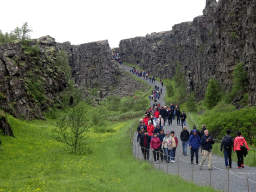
(208,47)
(30,81)
(92,66)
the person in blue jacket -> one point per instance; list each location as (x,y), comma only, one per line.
(194,145)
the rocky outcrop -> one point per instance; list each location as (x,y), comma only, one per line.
(4,125)
(30,82)
(208,47)
(92,66)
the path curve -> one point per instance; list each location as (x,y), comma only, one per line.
(217,178)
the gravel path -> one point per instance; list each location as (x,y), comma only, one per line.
(217,178)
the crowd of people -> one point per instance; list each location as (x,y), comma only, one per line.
(151,135)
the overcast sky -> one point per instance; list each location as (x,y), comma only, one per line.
(82,21)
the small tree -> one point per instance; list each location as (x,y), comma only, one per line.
(70,129)
(212,96)
(240,81)
(23,32)
(191,102)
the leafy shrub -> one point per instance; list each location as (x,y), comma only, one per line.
(191,103)
(212,96)
(225,117)
(240,81)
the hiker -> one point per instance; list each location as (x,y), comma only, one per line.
(161,137)
(139,129)
(161,91)
(145,120)
(163,113)
(184,137)
(157,129)
(194,144)
(141,132)
(202,131)
(177,111)
(239,143)
(198,133)
(169,116)
(174,146)
(227,143)
(155,143)
(173,111)
(167,146)
(160,121)
(157,113)
(150,129)
(207,142)
(145,143)
(183,117)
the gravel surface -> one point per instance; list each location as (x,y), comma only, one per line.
(217,178)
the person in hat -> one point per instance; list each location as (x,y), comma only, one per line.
(184,137)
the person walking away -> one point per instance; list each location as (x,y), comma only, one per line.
(163,113)
(239,143)
(157,113)
(207,142)
(145,120)
(174,146)
(169,116)
(145,144)
(150,129)
(178,115)
(184,137)
(173,111)
(155,143)
(161,137)
(183,117)
(227,143)
(194,144)
(161,91)
(167,146)
(141,132)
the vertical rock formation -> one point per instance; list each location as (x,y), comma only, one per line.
(92,66)
(208,47)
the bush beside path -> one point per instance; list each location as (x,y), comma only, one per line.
(239,179)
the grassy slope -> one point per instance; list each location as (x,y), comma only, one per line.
(33,161)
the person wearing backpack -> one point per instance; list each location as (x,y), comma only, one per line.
(239,143)
(226,143)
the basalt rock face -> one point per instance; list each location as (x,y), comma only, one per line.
(92,66)
(208,47)
(30,82)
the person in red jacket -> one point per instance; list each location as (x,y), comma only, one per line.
(150,129)
(155,144)
(145,120)
(238,143)
(157,113)
(174,147)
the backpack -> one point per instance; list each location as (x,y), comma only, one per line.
(227,143)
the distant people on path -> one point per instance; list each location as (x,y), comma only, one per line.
(184,137)
(167,146)
(183,117)
(145,144)
(155,143)
(241,147)
(227,143)
(194,144)
(207,142)
(174,146)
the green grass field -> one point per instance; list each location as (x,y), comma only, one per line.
(34,161)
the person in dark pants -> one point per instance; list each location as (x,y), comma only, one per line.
(227,143)
(161,137)
(173,111)
(184,137)
(169,116)
(194,144)
(142,125)
(183,117)
(145,144)
(238,143)
(178,116)
(155,143)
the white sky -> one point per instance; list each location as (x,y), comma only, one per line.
(82,21)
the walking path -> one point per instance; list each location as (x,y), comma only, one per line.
(239,179)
